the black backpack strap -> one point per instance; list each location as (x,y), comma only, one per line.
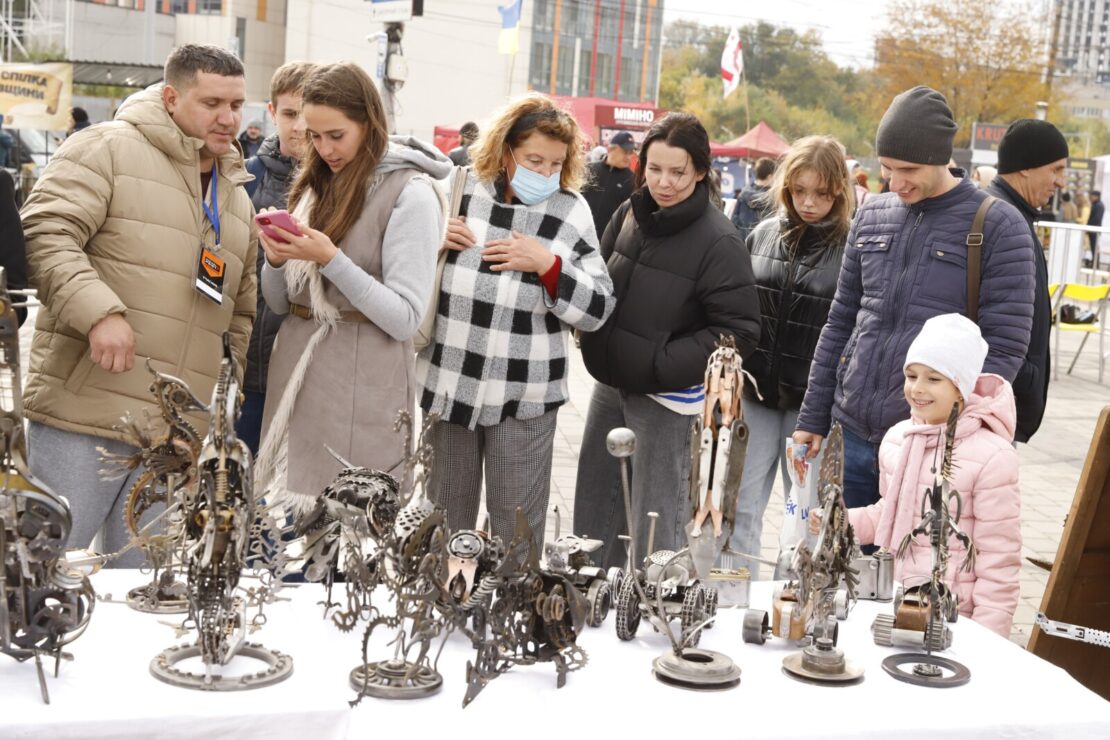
(975,257)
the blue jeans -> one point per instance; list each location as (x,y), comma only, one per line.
(767,432)
(249,426)
(861,474)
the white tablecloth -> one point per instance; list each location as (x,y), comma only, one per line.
(109,692)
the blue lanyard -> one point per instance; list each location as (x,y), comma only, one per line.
(212,212)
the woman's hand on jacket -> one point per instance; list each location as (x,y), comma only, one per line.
(521,253)
(459,236)
(310,245)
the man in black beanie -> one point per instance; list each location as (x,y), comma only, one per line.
(906,261)
(1032,157)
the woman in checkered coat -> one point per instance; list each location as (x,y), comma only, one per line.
(683,278)
(522,270)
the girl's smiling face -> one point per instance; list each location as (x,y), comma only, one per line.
(930,394)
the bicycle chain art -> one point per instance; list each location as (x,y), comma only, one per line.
(666,587)
(220,517)
(46,601)
(921,611)
(806,608)
(168,481)
(718,444)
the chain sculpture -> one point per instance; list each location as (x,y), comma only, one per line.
(167,483)
(45,602)
(921,611)
(219,521)
(804,609)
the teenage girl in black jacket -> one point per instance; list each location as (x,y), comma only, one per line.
(796,257)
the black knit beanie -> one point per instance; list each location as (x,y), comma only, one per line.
(918,127)
(1028,144)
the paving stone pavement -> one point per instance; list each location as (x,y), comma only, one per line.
(1050,464)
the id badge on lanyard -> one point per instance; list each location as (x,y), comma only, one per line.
(211,267)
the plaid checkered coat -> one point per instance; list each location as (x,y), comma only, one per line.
(500,346)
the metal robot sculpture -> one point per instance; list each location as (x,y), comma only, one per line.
(535,617)
(411,563)
(804,608)
(666,580)
(569,556)
(168,482)
(921,611)
(219,521)
(45,601)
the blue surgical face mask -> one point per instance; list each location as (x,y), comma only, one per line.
(532,187)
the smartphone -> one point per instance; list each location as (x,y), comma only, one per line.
(281,219)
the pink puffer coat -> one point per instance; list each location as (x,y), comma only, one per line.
(985,472)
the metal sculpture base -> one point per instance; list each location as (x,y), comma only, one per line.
(920,669)
(150,599)
(390,679)
(278,668)
(698,669)
(822,663)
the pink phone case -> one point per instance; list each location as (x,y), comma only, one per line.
(276,218)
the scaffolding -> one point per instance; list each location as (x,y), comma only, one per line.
(22,20)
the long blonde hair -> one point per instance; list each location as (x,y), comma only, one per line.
(521,118)
(339,198)
(825,157)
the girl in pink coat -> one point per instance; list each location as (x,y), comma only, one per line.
(943,367)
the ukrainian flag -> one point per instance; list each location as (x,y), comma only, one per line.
(509,40)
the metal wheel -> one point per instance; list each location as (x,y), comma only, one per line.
(599,598)
(693,614)
(615,577)
(711,597)
(755,627)
(628,610)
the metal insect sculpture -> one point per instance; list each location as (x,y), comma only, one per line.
(219,520)
(804,608)
(45,601)
(166,485)
(921,611)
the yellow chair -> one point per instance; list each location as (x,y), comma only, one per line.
(1095,295)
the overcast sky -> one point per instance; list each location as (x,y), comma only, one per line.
(847,27)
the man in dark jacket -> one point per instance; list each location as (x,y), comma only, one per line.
(905,262)
(1098,208)
(460,155)
(274,169)
(753,205)
(13,252)
(610,181)
(1032,157)
(251,138)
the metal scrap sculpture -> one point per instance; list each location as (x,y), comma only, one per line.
(921,611)
(719,441)
(45,602)
(569,556)
(220,518)
(665,587)
(805,608)
(168,481)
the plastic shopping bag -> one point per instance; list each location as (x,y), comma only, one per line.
(799,497)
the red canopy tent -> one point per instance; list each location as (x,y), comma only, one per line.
(761,141)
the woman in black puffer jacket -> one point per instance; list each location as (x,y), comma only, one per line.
(796,258)
(682,278)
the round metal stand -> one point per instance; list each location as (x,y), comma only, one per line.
(927,670)
(390,679)
(279,667)
(698,669)
(150,600)
(822,663)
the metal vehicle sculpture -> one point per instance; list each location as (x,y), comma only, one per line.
(804,608)
(45,601)
(569,556)
(921,611)
(219,522)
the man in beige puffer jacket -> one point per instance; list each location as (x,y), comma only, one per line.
(115,229)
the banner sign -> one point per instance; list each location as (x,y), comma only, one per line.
(36,96)
(626,117)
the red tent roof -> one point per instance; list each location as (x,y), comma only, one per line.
(761,141)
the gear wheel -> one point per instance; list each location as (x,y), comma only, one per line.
(693,614)
(628,609)
(882,630)
(600,598)
(711,597)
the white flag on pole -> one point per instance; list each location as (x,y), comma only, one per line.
(732,62)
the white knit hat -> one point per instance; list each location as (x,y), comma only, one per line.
(952,345)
